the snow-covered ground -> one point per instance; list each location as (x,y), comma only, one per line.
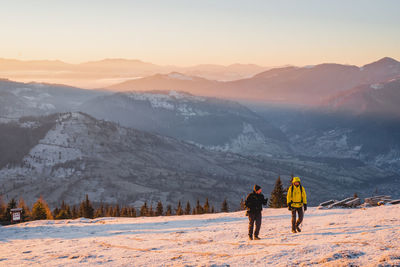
(339,237)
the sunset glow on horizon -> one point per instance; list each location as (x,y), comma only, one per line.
(202,32)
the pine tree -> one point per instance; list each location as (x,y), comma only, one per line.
(169,210)
(65,207)
(144,211)
(278,198)
(132,212)
(159,209)
(151,211)
(3,209)
(99,212)
(224,206)
(188,208)
(41,210)
(55,212)
(109,211)
(49,216)
(116,211)
(26,213)
(74,212)
(124,212)
(206,208)
(86,209)
(38,211)
(179,210)
(62,215)
(199,208)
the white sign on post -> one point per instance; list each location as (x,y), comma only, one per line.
(16,216)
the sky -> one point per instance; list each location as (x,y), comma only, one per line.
(185,32)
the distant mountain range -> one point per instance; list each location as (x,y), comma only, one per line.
(133,146)
(34,99)
(210,122)
(361,123)
(213,123)
(310,85)
(378,99)
(102,73)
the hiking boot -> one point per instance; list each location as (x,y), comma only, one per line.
(250,237)
(256,238)
(294,231)
(298,229)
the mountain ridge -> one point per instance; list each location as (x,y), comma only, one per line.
(81,155)
(111,71)
(287,85)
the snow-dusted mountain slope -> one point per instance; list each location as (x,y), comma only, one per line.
(377,99)
(213,123)
(339,237)
(74,154)
(375,141)
(33,99)
(370,138)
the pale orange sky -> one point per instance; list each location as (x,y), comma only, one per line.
(269,33)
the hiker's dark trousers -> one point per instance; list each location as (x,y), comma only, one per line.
(254,217)
(299,220)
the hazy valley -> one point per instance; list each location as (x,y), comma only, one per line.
(168,145)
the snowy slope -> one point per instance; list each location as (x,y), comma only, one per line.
(80,155)
(75,154)
(357,237)
(33,99)
(377,99)
(209,122)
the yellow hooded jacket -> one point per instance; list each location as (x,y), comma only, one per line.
(297,195)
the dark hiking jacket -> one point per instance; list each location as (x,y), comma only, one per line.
(254,202)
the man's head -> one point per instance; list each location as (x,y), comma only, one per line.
(296,181)
(257,189)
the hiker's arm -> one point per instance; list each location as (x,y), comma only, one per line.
(289,196)
(304,196)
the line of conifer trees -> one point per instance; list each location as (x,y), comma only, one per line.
(41,211)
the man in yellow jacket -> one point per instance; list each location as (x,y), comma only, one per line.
(296,200)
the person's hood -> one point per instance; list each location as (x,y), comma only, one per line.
(296,179)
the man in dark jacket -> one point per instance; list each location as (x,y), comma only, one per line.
(254,202)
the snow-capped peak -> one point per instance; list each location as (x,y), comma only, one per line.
(376,86)
(179,76)
(170,100)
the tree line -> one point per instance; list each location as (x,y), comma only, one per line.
(41,211)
